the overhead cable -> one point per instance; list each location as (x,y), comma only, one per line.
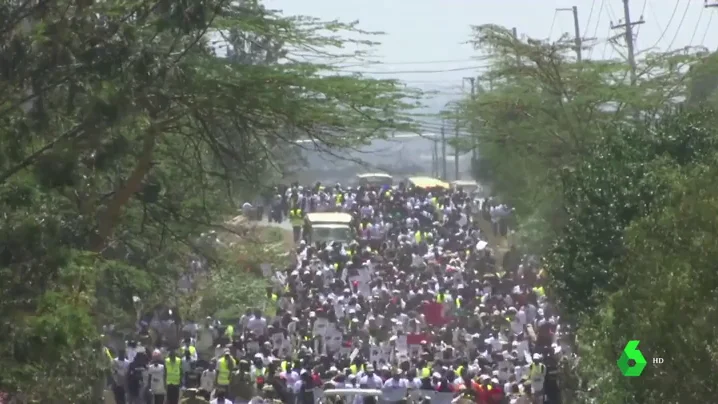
(458,69)
(673,14)
(680,24)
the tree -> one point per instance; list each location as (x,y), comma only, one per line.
(125,138)
(667,299)
(618,182)
(540,111)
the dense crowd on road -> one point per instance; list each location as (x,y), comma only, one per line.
(425,299)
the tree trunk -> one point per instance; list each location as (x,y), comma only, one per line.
(108,218)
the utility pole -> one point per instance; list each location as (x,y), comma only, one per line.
(707,5)
(456,149)
(577,41)
(628,26)
(435,158)
(443,151)
(577,32)
(515,34)
(474,148)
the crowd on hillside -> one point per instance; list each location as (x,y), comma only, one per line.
(427,302)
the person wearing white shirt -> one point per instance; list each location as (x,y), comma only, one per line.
(257,323)
(120,367)
(395,387)
(156,376)
(206,335)
(207,381)
(220,398)
(370,380)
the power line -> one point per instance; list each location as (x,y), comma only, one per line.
(553,21)
(458,69)
(610,12)
(598,20)
(590,14)
(708,27)
(424,62)
(655,18)
(670,20)
(643,10)
(680,24)
(595,31)
(611,17)
(695,31)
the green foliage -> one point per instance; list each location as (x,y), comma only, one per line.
(45,337)
(617,183)
(124,137)
(668,299)
(539,112)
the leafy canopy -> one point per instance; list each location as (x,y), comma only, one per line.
(125,137)
(538,111)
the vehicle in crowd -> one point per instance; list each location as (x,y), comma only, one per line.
(469,186)
(375,179)
(428,183)
(388,395)
(330,227)
(336,395)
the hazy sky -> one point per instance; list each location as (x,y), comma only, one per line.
(427,35)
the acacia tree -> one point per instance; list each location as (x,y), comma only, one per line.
(539,111)
(124,138)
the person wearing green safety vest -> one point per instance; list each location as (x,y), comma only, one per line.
(225,365)
(187,346)
(229,332)
(296,218)
(173,377)
(354,368)
(440,297)
(271,307)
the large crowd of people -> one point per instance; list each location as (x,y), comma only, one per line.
(427,301)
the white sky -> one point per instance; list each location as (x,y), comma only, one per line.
(428,34)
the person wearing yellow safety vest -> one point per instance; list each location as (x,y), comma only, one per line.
(273,300)
(173,377)
(188,347)
(258,370)
(225,365)
(441,296)
(229,333)
(286,365)
(419,236)
(537,376)
(296,218)
(424,369)
(356,367)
